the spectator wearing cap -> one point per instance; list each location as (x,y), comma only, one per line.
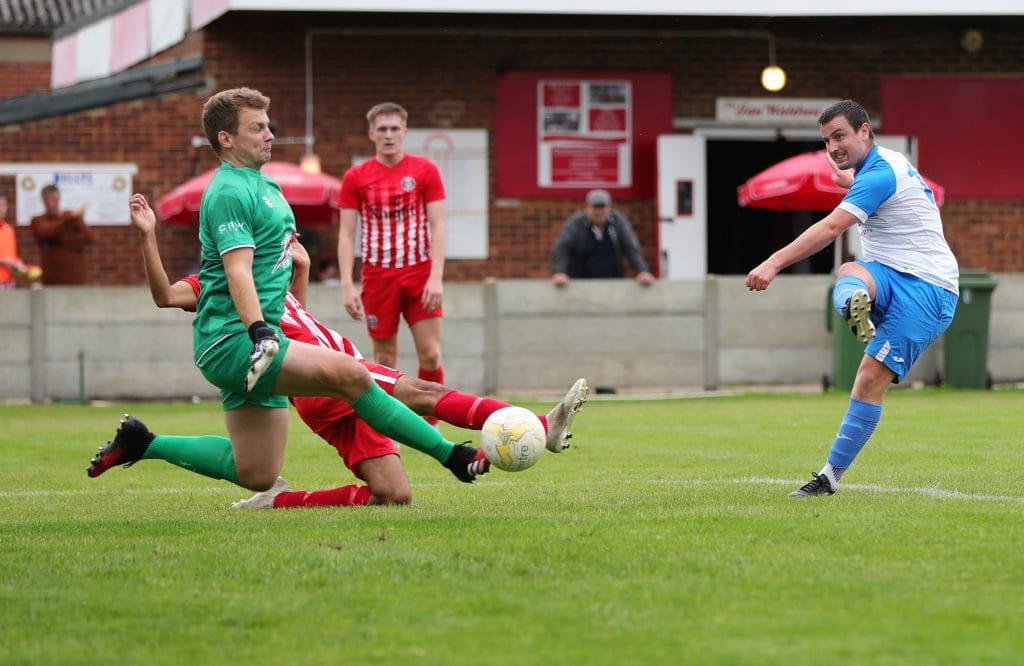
(596,243)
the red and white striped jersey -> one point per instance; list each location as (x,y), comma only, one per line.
(392,204)
(297,324)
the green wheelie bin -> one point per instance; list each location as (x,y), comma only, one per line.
(965,343)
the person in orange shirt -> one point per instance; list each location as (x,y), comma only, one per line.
(10,264)
(62,237)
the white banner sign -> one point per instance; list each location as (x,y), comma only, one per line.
(461,157)
(101,189)
(770,111)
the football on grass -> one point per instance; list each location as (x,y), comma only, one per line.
(513,438)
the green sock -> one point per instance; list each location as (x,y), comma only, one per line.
(209,455)
(390,417)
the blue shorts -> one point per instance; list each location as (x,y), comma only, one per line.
(908,314)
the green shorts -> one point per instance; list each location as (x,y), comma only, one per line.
(224,365)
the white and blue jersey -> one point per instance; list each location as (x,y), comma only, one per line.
(899,222)
(915,273)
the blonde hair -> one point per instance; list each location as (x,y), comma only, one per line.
(386,109)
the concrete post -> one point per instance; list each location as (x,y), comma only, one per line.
(37,343)
(711,316)
(492,340)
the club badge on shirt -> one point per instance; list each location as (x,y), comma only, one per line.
(408,183)
(284,259)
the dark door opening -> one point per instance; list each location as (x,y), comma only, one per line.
(741,238)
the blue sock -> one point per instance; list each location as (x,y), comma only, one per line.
(845,286)
(858,425)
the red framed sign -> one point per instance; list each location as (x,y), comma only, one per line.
(561,133)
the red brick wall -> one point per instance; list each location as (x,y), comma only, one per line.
(23,78)
(24,64)
(422,62)
(987,234)
(159,146)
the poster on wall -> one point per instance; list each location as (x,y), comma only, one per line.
(584,133)
(101,190)
(461,157)
(561,133)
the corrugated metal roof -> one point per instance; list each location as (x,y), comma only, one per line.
(48,15)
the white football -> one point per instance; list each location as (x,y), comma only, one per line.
(513,438)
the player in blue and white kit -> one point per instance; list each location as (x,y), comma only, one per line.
(903,294)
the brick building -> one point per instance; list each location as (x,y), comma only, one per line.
(447,69)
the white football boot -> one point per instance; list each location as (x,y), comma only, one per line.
(264,500)
(561,416)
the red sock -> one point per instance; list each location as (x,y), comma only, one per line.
(469,411)
(344,496)
(436,376)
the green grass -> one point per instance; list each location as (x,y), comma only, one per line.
(664,536)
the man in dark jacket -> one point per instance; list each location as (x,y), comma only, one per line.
(594,242)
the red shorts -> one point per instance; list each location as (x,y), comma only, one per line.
(390,292)
(339,425)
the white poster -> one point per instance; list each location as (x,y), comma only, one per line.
(102,190)
(461,156)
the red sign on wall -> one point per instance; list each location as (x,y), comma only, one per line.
(591,164)
(562,133)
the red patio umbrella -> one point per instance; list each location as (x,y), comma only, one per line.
(312,196)
(802,182)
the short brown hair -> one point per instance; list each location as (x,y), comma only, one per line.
(386,109)
(220,113)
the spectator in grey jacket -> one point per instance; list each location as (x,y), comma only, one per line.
(594,242)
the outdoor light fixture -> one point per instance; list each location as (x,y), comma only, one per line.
(310,163)
(972,41)
(773,77)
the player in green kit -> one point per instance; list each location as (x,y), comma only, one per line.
(246,229)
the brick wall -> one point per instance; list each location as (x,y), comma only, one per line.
(159,145)
(23,78)
(424,62)
(987,234)
(24,64)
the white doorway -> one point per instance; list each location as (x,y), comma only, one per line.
(682,207)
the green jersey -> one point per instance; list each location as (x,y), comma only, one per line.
(241,208)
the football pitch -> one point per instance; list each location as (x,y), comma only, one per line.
(664,536)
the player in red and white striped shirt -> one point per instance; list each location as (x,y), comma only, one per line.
(399,199)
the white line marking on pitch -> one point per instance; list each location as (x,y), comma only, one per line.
(933,492)
(107,491)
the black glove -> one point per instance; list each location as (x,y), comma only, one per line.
(265,345)
(260,330)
